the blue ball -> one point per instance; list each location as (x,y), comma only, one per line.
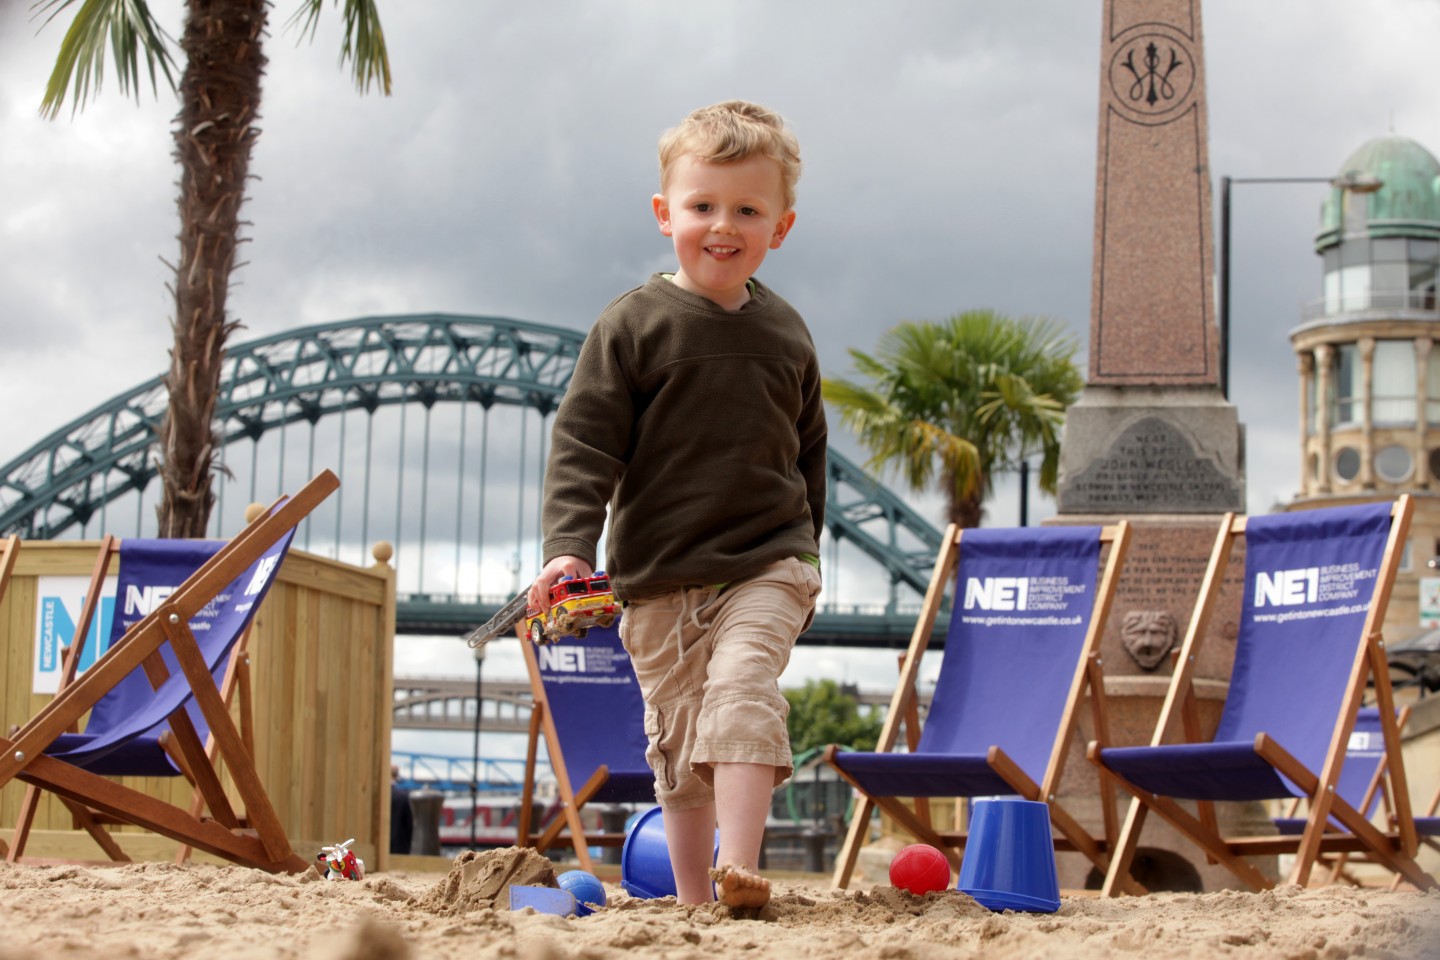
(586,887)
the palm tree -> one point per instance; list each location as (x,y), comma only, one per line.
(215,133)
(960,400)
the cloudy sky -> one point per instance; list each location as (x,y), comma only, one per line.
(950,164)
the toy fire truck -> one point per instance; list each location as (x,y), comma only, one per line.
(576,605)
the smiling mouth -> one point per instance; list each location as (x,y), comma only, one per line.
(722,251)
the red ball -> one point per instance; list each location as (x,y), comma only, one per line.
(920,868)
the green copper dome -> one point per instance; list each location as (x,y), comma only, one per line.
(1408,203)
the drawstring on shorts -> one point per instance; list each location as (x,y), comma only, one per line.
(690,617)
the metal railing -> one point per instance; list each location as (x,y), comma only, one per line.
(1372,301)
(497,775)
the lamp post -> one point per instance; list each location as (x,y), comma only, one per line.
(475,781)
(1024,492)
(1023,470)
(1352,181)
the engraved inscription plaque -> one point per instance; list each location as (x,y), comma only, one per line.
(1152,468)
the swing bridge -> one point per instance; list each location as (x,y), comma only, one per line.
(437,425)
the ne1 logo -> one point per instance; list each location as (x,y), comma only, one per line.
(144,599)
(1286,588)
(997,593)
(562,659)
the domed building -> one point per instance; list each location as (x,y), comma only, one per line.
(1369,363)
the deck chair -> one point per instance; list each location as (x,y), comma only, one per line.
(1022,650)
(147,569)
(1316,586)
(587,708)
(176,650)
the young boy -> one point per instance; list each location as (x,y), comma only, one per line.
(694,413)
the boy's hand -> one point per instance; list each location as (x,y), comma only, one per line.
(539,596)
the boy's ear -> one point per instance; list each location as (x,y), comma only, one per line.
(662,212)
(782,229)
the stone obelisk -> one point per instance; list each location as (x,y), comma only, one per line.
(1152,439)
(1152,433)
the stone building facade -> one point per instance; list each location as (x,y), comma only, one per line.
(1368,359)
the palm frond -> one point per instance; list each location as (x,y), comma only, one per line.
(961,399)
(131,31)
(364,43)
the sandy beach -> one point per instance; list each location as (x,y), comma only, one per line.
(160,911)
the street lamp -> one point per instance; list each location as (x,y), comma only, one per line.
(1024,492)
(1353,181)
(475,781)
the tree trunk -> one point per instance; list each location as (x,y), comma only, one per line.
(966,510)
(214,134)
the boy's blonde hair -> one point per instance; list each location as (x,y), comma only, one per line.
(732,131)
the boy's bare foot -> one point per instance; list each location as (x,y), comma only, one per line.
(739,887)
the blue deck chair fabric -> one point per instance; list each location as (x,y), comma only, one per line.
(122,737)
(1022,608)
(592,694)
(1309,578)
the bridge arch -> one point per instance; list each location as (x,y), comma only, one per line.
(67,479)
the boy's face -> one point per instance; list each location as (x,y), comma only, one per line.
(723,218)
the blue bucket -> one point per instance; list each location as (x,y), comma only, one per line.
(1009,861)
(645,869)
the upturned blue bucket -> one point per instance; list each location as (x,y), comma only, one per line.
(645,868)
(1009,861)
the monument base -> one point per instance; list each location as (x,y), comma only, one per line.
(1151,450)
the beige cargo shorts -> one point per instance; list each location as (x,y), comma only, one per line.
(708,661)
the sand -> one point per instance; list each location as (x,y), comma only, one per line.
(152,910)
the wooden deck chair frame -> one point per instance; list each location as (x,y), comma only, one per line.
(235,688)
(1378,788)
(571,801)
(903,710)
(1179,712)
(1430,837)
(9,550)
(262,843)
(1426,821)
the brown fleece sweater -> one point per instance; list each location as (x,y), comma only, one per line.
(702,429)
